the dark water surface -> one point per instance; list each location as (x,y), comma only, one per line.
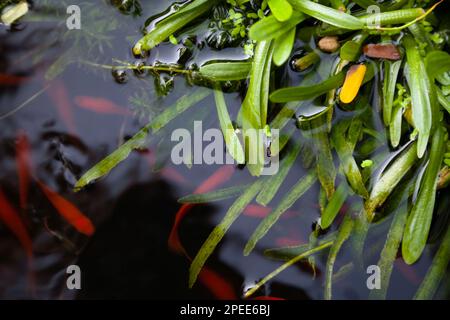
(134,207)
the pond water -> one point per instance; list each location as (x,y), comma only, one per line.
(133,208)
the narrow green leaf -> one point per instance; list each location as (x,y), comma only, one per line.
(289,199)
(333,206)
(172,23)
(419,220)
(436,272)
(226,71)
(389,252)
(395,126)
(328,15)
(351,50)
(326,171)
(390,178)
(344,144)
(281,9)
(443,100)
(232,142)
(420,94)
(391,70)
(283,47)
(219,231)
(138,140)
(270,28)
(344,233)
(307,92)
(437,62)
(254,107)
(274,182)
(217,195)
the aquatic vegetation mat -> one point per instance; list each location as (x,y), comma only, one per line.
(367,116)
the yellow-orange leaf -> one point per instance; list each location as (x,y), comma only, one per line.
(352,83)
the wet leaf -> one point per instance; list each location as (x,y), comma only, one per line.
(219,231)
(274,182)
(333,206)
(139,139)
(420,94)
(281,9)
(436,272)
(270,28)
(283,47)
(232,142)
(288,201)
(214,196)
(226,71)
(391,70)
(419,219)
(344,233)
(328,15)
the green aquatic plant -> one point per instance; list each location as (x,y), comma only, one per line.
(382,154)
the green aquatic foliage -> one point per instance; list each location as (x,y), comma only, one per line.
(341,145)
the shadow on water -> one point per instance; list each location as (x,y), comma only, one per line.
(134,207)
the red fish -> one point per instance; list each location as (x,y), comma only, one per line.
(218,286)
(58,94)
(12,220)
(173,175)
(257,211)
(219,177)
(100,105)
(23,160)
(11,80)
(68,211)
(286,242)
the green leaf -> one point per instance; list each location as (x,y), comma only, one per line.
(232,142)
(351,50)
(173,23)
(437,63)
(289,199)
(219,231)
(283,47)
(344,233)
(395,127)
(274,182)
(389,252)
(419,220)
(226,71)
(420,94)
(436,272)
(270,28)
(333,206)
(254,107)
(307,92)
(328,15)
(139,139)
(391,70)
(281,9)
(404,161)
(213,196)
(344,140)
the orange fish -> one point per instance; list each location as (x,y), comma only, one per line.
(100,105)
(286,242)
(408,272)
(218,286)
(68,211)
(257,211)
(11,80)
(23,162)
(219,177)
(60,98)
(173,175)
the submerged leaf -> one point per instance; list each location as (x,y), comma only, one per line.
(270,28)
(281,9)
(419,220)
(213,196)
(138,140)
(283,47)
(219,231)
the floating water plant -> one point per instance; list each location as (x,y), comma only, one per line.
(368,118)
